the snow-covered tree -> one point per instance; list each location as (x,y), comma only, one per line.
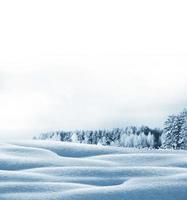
(136,141)
(170,131)
(143,140)
(183,130)
(175,131)
(150,140)
(74,137)
(129,141)
(183,136)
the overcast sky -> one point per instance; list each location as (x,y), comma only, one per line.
(90,64)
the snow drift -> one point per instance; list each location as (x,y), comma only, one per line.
(51,170)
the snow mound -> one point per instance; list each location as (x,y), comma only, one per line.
(51,170)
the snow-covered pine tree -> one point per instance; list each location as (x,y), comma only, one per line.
(126,137)
(74,137)
(103,138)
(116,136)
(123,137)
(174,133)
(169,132)
(183,138)
(182,143)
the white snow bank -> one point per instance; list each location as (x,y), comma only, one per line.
(50,170)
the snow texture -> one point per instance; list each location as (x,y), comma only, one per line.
(51,170)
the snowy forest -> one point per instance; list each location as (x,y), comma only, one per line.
(129,137)
(173,135)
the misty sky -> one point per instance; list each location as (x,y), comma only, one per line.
(90,64)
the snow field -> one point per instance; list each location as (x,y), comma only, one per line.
(51,170)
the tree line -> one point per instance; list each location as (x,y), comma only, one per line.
(130,136)
(172,136)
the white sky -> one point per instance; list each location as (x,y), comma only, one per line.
(90,64)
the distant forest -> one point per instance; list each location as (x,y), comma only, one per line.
(130,136)
(173,135)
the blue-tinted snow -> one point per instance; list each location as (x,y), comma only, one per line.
(37,170)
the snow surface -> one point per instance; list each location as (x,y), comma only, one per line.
(51,170)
